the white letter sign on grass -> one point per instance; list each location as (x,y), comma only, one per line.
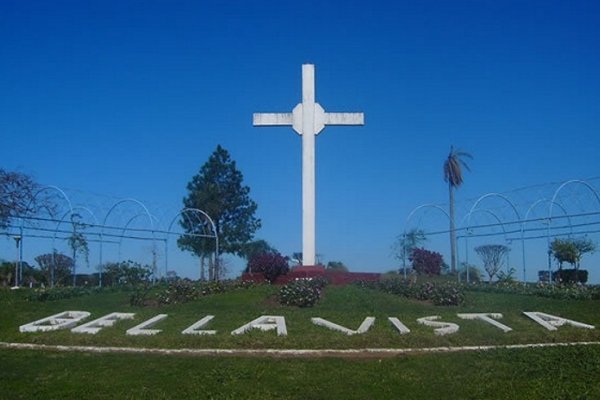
(63,320)
(308,119)
(142,329)
(490,318)
(264,323)
(552,322)
(366,324)
(195,329)
(96,325)
(402,329)
(442,328)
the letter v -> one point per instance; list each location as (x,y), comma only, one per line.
(366,324)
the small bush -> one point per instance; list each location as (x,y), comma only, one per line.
(271,265)
(541,289)
(426,262)
(184,290)
(58,293)
(570,276)
(446,294)
(139,296)
(474,273)
(180,291)
(303,292)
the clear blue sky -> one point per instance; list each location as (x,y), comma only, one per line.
(129,98)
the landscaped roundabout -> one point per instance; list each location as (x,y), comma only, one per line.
(356,341)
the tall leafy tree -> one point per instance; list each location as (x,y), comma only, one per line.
(453,174)
(219,191)
(56,267)
(571,250)
(254,248)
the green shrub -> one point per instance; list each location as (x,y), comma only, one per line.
(541,289)
(570,276)
(184,290)
(440,294)
(474,273)
(140,296)
(447,295)
(302,292)
(58,293)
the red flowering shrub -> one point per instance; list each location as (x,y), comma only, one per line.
(271,265)
(426,262)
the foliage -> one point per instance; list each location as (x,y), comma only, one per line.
(570,276)
(18,197)
(30,274)
(426,262)
(271,265)
(507,277)
(218,190)
(251,249)
(78,243)
(540,289)
(440,294)
(406,242)
(302,292)
(492,256)
(453,174)
(336,266)
(56,267)
(185,290)
(571,250)
(125,273)
(474,273)
(59,293)
(140,296)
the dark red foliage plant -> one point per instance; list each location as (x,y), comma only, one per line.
(271,265)
(426,262)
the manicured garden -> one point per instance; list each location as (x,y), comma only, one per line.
(562,372)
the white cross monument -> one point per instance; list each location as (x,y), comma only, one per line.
(308,119)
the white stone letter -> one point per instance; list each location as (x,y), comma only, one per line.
(195,329)
(141,329)
(552,322)
(264,323)
(366,324)
(96,325)
(399,325)
(490,318)
(442,328)
(63,320)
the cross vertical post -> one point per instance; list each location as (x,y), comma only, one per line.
(308,166)
(308,119)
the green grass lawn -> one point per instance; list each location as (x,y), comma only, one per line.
(548,373)
(553,373)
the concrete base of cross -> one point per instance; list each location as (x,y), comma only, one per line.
(309,269)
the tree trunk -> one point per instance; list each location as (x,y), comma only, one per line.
(452,230)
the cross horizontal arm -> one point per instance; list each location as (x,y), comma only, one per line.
(272,119)
(344,119)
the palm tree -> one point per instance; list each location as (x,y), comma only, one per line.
(454,176)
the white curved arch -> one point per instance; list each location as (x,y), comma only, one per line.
(184,212)
(503,197)
(143,206)
(578,181)
(414,211)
